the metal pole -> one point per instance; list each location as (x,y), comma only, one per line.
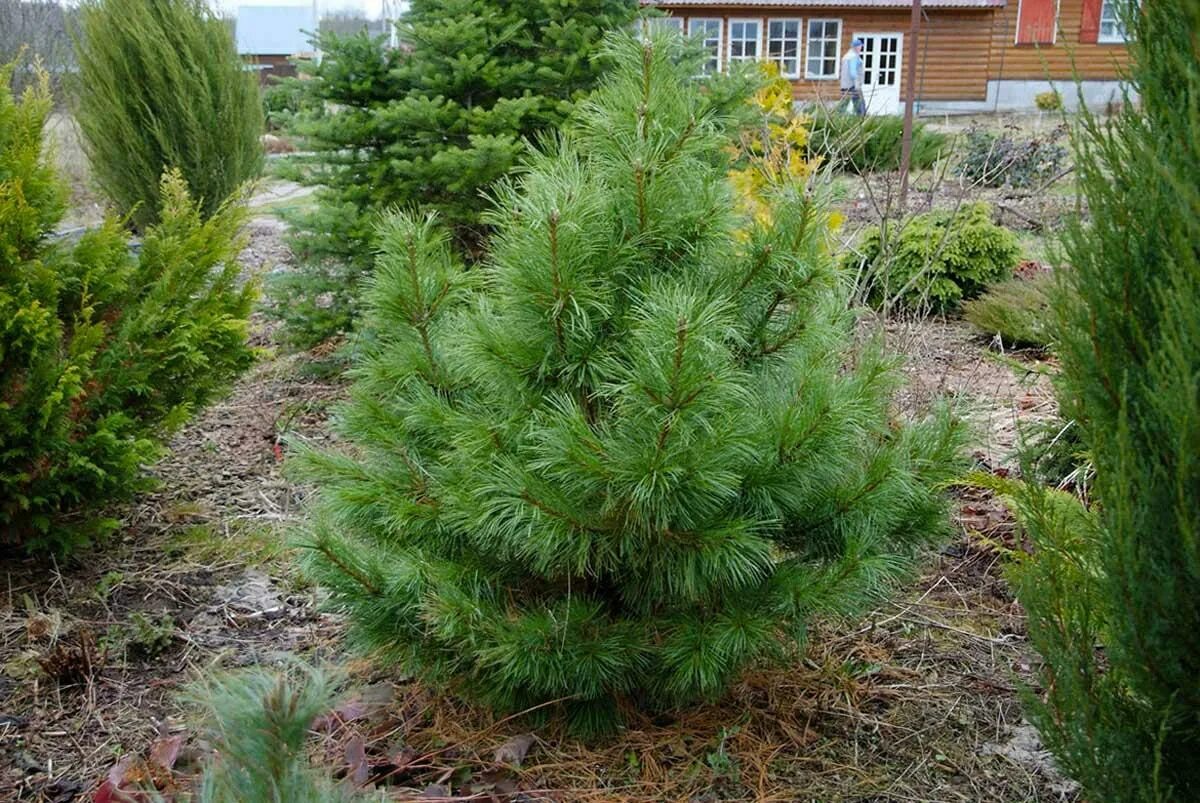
(910,92)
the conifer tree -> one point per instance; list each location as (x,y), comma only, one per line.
(433,122)
(1111,590)
(635,450)
(101,353)
(161,87)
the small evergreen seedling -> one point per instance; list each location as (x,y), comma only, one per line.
(635,451)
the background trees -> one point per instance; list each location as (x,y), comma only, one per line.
(433,123)
(160,86)
(634,450)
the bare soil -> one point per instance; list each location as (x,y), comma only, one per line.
(917,701)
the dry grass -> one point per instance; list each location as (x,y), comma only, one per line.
(85,203)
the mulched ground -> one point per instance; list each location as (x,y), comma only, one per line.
(917,701)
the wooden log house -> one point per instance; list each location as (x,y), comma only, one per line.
(973,55)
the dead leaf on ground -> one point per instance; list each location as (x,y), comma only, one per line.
(513,751)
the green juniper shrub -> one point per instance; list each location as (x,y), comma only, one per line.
(935,260)
(1000,160)
(160,86)
(1016,310)
(1123,719)
(101,352)
(868,144)
(1111,591)
(632,452)
(432,123)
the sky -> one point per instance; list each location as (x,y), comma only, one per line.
(371,7)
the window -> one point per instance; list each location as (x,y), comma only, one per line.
(1111,28)
(824,38)
(665,24)
(709,33)
(783,46)
(1037,22)
(744,38)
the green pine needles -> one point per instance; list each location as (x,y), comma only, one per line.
(634,451)
(101,353)
(160,86)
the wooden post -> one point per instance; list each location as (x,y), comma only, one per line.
(910,92)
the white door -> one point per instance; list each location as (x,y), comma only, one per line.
(881,71)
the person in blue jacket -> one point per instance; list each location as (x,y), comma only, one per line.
(852,79)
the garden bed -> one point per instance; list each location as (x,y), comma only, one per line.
(917,701)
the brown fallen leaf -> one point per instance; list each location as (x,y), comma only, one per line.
(513,751)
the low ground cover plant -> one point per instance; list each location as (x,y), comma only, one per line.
(101,353)
(160,86)
(1048,101)
(869,144)
(990,159)
(635,450)
(935,260)
(1016,310)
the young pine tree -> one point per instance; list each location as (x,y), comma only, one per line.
(100,353)
(1112,591)
(160,86)
(432,123)
(635,450)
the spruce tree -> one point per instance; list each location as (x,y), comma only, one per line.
(433,122)
(1111,590)
(635,450)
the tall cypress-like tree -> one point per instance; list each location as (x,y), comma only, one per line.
(161,87)
(633,451)
(1112,591)
(433,123)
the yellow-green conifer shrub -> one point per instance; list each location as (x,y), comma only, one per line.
(101,352)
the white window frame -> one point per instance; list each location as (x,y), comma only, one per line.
(800,54)
(669,21)
(1119,35)
(758,40)
(1053,36)
(691,31)
(837,56)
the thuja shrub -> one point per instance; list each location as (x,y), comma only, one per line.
(101,353)
(160,86)
(935,260)
(1111,591)
(635,450)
